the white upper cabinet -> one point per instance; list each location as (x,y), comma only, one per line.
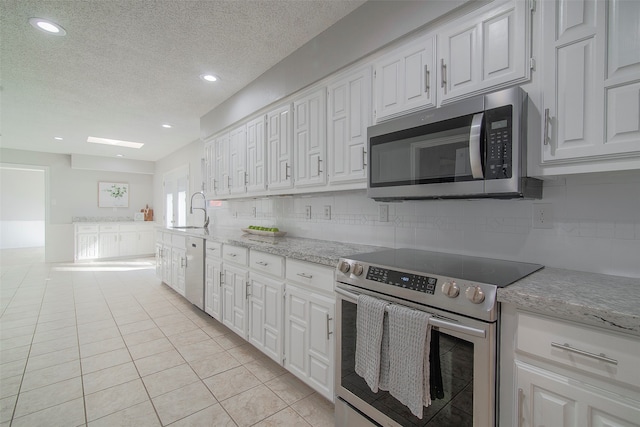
(484,50)
(238,160)
(280,148)
(591,114)
(209,167)
(256,156)
(349,115)
(221,178)
(309,141)
(405,79)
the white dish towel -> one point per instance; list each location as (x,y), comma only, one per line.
(369,321)
(409,343)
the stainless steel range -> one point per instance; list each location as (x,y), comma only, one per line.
(460,293)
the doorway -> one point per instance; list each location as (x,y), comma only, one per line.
(23,213)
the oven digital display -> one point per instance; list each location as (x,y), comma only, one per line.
(413,282)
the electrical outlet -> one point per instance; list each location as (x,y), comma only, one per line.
(253,211)
(307,212)
(384,213)
(327,212)
(542,215)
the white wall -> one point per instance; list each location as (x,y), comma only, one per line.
(74,193)
(596,225)
(22,213)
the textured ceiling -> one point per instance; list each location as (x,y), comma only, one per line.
(126,67)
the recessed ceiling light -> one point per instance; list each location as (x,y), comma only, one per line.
(115,142)
(57,138)
(47,26)
(167,126)
(208,77)
(119,155)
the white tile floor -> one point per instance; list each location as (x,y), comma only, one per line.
(107,344)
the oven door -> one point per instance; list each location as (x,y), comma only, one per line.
(468,365)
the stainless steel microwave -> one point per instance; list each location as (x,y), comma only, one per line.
(474,148)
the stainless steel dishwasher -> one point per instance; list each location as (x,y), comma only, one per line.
(194,275)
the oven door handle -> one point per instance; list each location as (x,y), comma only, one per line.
(434,321)
(475,153)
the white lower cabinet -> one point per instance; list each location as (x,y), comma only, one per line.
(235,280)
(265,303)
(548,399)
(113,240)
(309,325)
(178,264)
(87,245)
(572,375)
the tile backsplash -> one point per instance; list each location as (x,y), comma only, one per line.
(594,220)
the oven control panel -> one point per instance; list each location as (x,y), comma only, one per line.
(409,281)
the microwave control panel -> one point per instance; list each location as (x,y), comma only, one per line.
(499,143)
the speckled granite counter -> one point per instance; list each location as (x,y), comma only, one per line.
(311,250)
(611,302)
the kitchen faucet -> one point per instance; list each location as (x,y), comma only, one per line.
(206,217)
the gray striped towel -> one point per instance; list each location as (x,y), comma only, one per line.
(409,336)
(368,339)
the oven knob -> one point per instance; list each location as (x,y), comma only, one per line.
(358,269)
(450,289)
(474,294)
(344,267)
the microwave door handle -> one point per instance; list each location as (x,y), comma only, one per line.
(475,153)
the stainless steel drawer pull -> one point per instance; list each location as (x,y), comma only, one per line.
(426,80)
(262,263)
(306,276)
(328,331)
(232,255)
(547,122)
(601,356)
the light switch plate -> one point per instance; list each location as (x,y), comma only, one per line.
(384,213)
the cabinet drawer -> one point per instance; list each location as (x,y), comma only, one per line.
(86,228)
(267,263)
(109,228)
(309,274)
(213,249)
(178,241)
(167,238)
(608,355)
(128,227)
(236,254)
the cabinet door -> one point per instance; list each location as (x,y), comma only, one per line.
(238,160)
(484,51)
(265,315)
(405,79)
(86,246)
(256,156)
(213,288)
(159,260)
(128,243)
(548,399)
(309,126)
(349,109)
(222,179)
(109,245)
(309,341)
(146,242)
(235,299)
(209,167)
(179,259)
(296,337)
(167,265)
(280,148)
(321,343)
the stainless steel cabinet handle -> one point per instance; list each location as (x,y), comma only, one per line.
(262,263)
(601,357)
(221,278)
(547,122)
(329,332)
(286,171)
(306,276)
(232,255)
(247,290)
(443,77)
(426,80)
(215,187)
(246,178)
(364,157)
(519,409)
(319,169)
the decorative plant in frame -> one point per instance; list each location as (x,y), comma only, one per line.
(113,195)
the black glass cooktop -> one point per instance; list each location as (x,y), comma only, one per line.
(462,267)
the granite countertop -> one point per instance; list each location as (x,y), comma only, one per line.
(312,250)
(611,302)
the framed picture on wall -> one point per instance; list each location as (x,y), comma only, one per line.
(113,195)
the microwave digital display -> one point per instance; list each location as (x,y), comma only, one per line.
(499,124)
